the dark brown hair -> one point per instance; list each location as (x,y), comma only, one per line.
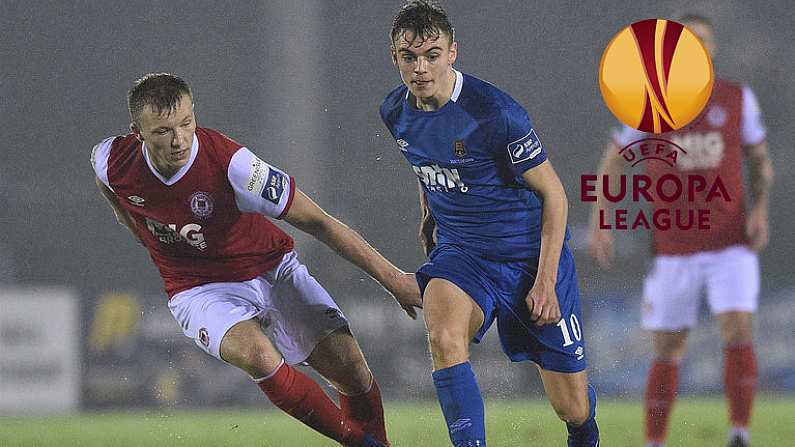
(424,19)
(161,91)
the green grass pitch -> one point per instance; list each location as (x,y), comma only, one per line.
(695,422)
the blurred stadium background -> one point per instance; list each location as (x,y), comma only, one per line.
(84,329)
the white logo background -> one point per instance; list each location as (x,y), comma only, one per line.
(525,148)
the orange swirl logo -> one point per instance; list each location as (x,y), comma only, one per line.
(656,76)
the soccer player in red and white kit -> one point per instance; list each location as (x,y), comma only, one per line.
(200,203)
(722,259)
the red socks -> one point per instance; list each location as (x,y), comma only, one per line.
(740,379)
(300,397)
(366,410)
(661,390)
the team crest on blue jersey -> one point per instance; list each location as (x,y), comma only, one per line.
(459,149)
(274,186)
(525,148)
(201,204)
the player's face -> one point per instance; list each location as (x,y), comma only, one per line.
(168,135)
(425,65)
(703,32)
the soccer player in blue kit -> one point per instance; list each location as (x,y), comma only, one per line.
(494,225)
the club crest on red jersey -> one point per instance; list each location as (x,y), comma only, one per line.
(201,204)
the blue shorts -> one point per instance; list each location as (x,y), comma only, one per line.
(500,289)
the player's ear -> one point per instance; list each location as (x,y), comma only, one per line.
(134,129)
(453,52)
(393,53)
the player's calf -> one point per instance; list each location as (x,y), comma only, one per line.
(247,347)
(585,433)
(299,396)
(574,400)
(339,360)
(574,412)
(367,410)
(462,405)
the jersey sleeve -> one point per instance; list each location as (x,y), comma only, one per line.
(99,159)
(260,187)
(521,147)
(753,130)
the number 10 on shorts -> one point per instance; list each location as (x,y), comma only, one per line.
(575,330)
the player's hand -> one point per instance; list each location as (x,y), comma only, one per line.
(407,293)
(601,247)
(427,234)
(757,228)
(542,302)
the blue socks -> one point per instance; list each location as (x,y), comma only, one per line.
(587,434)
(462,405)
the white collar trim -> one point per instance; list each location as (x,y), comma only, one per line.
(459,82)
(194,149)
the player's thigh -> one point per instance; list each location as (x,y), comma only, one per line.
(245,345)
(671,293)
(339,360)
(301,312)
(555,347)
(733,280)
(458,293)
(451,315)
(568,394)
(206,313)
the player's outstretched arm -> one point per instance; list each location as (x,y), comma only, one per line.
(600,242)
(427,234)
(542,299)
(760,175)
(308,217)
(122,216)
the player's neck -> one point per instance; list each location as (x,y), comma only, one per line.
(437,101)
(164,169)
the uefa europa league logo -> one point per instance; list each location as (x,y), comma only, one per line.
(656,76)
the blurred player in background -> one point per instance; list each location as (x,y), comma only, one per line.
(722,260)
(486,189)
(198,202)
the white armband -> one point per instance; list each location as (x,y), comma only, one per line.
(259,187)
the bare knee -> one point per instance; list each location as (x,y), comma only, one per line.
(448,348)
(736,328)
(246,347)
(255,360)
(574,412)
(670,346)
(356,378)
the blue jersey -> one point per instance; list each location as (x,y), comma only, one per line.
(469,156)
